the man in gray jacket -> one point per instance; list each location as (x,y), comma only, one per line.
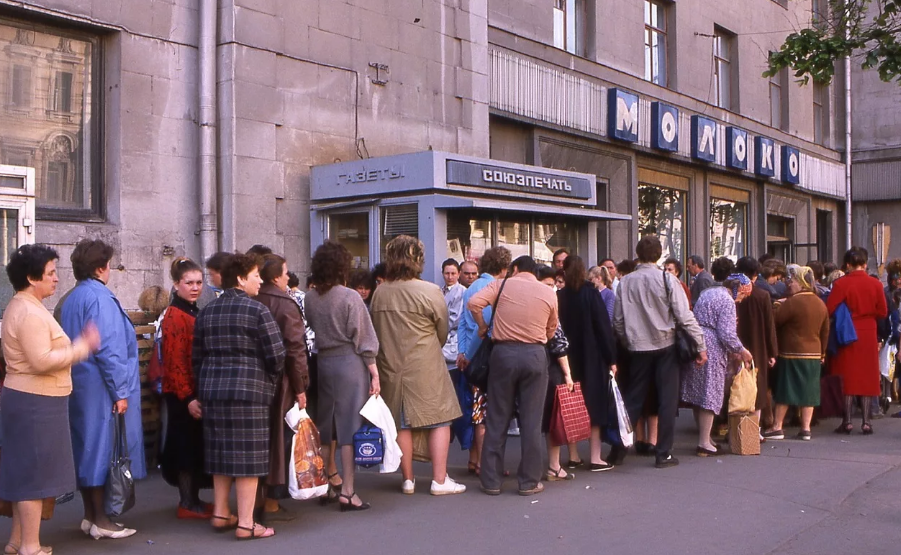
(700,278)
(643,321)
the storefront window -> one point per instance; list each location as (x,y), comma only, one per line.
(515,235)
(780,237)
(399,219)
(352,231)
(661,211)
(551,236)
(467,239)
(727,229)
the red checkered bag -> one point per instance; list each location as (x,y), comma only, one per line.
(569,417)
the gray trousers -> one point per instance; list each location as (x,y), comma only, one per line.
(518,372)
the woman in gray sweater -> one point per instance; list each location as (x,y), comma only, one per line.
(347,347)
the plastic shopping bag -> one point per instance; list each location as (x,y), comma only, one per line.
(743,394)
(376,411)
(306,473)
(622,416)
(887,359)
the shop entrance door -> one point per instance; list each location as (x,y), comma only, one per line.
(780,239)
(16,218)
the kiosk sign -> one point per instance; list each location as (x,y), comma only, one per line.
(495,177)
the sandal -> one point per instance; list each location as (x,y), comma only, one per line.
(349,506)
(333,491)
(471,467)
(554,475)
(845,428)
(267,532)
(231,520)
(11,549)
(866,429)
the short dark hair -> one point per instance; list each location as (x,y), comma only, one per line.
(576,272)
(29,261)
(856,256)
(675,262)
(361,277)
(721,268)
(764,257)
(601,263)
(450,262)
(828,268)
(293,280)
(259,250)
(560,251)
(748,265)
(524,263)
(379,271)
(216,261)
(817,267)
(181,266)
(543,271)
(773,267)
(649,249)
(238,265)
(272,267)
(495,260)
(89,256)
(331,266)
(697,260)
(626,267)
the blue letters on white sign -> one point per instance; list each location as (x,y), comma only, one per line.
(764,157)
(736,148)
(703,138)
(791,165)
(664,127)
(622,115)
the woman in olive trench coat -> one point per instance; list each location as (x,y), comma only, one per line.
(410,318)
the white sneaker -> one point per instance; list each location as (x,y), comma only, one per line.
(98,533)
(409,487)
(449,487)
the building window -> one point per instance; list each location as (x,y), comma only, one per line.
(723,54)
(820,95)
(661,212)
(819,11)
(569,26)
(778,100)
(58,70)
(728,232)
(655,42)
(780,237)
(398,219)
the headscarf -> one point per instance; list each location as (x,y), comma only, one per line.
(740,284)
(803,275)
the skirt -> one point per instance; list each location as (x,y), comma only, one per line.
(343,390)
(554,378)
(183,450)
(37,460)
(236,439)
(797,382)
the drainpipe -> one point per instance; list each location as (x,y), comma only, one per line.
(849,227)
(207,127)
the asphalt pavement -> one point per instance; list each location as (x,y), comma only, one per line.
(833,495)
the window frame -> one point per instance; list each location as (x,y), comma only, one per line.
(778,82)
(663,45)
(820,107)
(574,31)
(92,132)
(722,37)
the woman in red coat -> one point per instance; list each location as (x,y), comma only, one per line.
(858,363)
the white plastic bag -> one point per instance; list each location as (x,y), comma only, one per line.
(376,411)
(625,425)
(307,477)
(887,359)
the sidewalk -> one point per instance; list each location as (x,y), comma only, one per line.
(833,495)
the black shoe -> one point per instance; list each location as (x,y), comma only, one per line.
(600,467)
(573,464)
(666,461)
(617,455)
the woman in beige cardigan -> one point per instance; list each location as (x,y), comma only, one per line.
(37,463)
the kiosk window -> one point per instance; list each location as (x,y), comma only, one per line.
(467,239)
(352,231)
(400,219)
(661,211)
(550,236)
(515,235)
(727,229)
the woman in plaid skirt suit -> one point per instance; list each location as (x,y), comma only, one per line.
(238,357)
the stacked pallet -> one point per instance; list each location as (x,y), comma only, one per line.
(150,399)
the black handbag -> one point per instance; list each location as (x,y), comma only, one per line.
(476,371)
(687,349)
(119,492)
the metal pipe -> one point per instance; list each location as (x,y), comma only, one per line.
(849,227)
(206,170)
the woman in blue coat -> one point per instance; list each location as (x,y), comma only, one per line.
(106,383)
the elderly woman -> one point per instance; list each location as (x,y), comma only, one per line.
(347,347)
(858,363)
(107,382)
(411,321)
(239,358)
(293,384)
(802,328)
(38,459)
(599,276)
(182,457)
(704,386)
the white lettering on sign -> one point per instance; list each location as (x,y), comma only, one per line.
(766,156)
(527,181)
(369,176)
(626,116)
(707,143)
(740,147)
(793,163)
(668,126)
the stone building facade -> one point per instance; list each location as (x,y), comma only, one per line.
(111,125)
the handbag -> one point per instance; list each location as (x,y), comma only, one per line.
(743,393)
(307,478)
(570,422)
(687,349)
(476,371)
(369,446)
(119,492)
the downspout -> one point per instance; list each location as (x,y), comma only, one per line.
(849,227)
(207,127)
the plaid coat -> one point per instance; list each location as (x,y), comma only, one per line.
(238,353)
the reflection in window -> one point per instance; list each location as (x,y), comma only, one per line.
(399,219)
(551,236)
(352,231)
(727,229)
(515,235)
(62,92)
(467,239)
(9,242)
(20,87)
(661,211)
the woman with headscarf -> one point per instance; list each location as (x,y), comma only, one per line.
(802,328)
(704,386)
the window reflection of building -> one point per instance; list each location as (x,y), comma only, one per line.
(661,211)
(727,229)
(469,236)
(46,107)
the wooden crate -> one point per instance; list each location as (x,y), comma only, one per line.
(150,400)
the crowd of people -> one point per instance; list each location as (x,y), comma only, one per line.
(242,345)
